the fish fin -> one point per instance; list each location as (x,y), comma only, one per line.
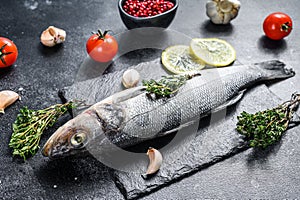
(176,129)
(230,102)
(124,95)
(275,69)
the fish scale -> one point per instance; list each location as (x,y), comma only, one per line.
(130,117)
(193,99)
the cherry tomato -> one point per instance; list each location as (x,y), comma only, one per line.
(8,52)
(102,47)
(277,26)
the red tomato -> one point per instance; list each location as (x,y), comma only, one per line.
(102,47)
(277,26)
(8,52)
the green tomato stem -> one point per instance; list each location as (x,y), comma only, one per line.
(101,36)
(285,27)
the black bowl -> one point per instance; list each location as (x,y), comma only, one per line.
(162,20)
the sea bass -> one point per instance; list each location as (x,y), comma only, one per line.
(130,116)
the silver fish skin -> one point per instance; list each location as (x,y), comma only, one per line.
(130,117)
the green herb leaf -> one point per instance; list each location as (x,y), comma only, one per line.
(265,128)
(29,126)
(167,86)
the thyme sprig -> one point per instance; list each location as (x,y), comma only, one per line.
(29,126)
(167,86)
(265,128)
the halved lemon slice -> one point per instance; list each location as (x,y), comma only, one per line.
(213,51)
(177,59)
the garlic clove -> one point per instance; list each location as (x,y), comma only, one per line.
(7,98)
(236,4)
(234,13)
(211,9)
(217,19)
(155,161)
(227,18)
(52,36)
(130,78)
(226,10)
(225,6)
(211,5)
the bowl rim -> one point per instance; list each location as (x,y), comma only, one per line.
(147,18)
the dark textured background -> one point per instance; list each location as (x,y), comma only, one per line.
(40,72)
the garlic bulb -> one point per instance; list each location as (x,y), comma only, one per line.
(52,36)
(7,98)
(130,78)
(222,11)
(155,161)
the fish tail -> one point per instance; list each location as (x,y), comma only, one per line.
(275,69)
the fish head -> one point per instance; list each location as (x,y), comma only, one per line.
(73,137)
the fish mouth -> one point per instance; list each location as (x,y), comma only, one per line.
(47,149)
(58,145)
(53,152)
(57,153)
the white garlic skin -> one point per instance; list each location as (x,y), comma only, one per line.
(53,36)
(155,162)
(130,78)
(7,97)
(222,11)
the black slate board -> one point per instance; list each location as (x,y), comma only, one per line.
(96,89)
(211,144)
(215,140)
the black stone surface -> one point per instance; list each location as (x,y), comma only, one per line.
(212,143)
(215,140)
(40,72)
(94,90)
(268,174)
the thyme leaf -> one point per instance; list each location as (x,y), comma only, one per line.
(166,86)
(265,128)
(29,126)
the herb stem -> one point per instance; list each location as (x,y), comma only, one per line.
(30,125)
(263,129)
(167,86)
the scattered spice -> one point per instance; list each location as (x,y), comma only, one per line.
(147,8)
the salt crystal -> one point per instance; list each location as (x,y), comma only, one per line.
(48,2)
(31,4)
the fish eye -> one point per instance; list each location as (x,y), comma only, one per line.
(78,140)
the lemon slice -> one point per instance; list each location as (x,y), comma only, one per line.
(213,51)
(177,59)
